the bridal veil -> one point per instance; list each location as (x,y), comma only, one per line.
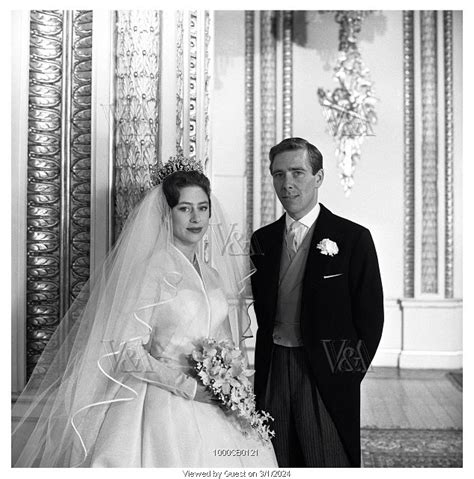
(59,414)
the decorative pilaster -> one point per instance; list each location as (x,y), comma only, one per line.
(66,124)
(409,154)
(205,152)
(179,83)
(80,160)
(58,170)
(429,133)
(193,84)
(268,110)
(287,74)
(449,153)
(249,116)
(137,78)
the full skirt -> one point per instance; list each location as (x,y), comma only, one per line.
(161,429)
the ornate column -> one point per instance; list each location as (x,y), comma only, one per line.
(58,169)
(449,153)
(269,113)
(156,61)
(287,74)
(409,155)
(428,108)
(136,108)
(249,117)
(429,165)
(268,110)
(428,306)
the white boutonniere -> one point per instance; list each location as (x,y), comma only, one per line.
(328,247)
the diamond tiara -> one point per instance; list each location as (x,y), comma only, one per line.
(175,163)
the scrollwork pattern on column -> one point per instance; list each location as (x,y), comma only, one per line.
(409,154)
(287,74)
(58,195)
(268,107)
(80,151)
(179,83)
(429,103)
(192,85)
(449,153)
(44,181)
(207,91)
(249,115)
(136,107)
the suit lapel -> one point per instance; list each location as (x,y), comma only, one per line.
(316,262)
(275,242)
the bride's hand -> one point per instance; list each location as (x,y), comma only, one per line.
(203,395)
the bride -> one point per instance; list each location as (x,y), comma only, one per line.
(115,387)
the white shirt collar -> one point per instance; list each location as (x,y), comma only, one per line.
(307,220)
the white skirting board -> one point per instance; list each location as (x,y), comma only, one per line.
(421,334)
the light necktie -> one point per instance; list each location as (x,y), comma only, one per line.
(293,239)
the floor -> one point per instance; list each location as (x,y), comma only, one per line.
(411,399)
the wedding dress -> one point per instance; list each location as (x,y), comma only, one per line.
(113,387)
(163,427)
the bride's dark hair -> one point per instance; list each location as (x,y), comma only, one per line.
(173,184)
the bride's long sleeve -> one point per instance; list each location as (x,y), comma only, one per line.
(139,363)
(136,360)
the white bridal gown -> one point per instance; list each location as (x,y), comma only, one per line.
(163,427)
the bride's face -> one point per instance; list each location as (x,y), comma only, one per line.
(190,216)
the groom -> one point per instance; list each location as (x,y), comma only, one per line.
(319,307)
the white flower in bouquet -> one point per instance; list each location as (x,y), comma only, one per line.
(223,369)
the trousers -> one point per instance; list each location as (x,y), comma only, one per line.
(305,435)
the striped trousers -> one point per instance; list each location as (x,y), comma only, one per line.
(305,435)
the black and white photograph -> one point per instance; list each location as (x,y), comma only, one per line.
(236,238)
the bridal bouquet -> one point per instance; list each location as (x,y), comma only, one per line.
(223,369)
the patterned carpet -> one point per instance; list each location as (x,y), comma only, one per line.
(455,379)
(411,448)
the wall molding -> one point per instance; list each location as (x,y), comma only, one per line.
(20,31)
(268,121)
(102,137)
(287,36)
(431,303)
(431,360)
(249,117)
(429,165)
(44,182)
(180,46)
(193,85)
(449,154)
(80,153)
(409,154)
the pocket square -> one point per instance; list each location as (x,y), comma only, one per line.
(332,276)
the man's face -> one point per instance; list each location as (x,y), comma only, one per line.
(294,182)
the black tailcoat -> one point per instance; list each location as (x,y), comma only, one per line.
(341,315)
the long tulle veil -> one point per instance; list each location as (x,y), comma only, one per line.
(58,416)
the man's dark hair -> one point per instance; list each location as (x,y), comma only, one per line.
(173,184)
(288,144)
